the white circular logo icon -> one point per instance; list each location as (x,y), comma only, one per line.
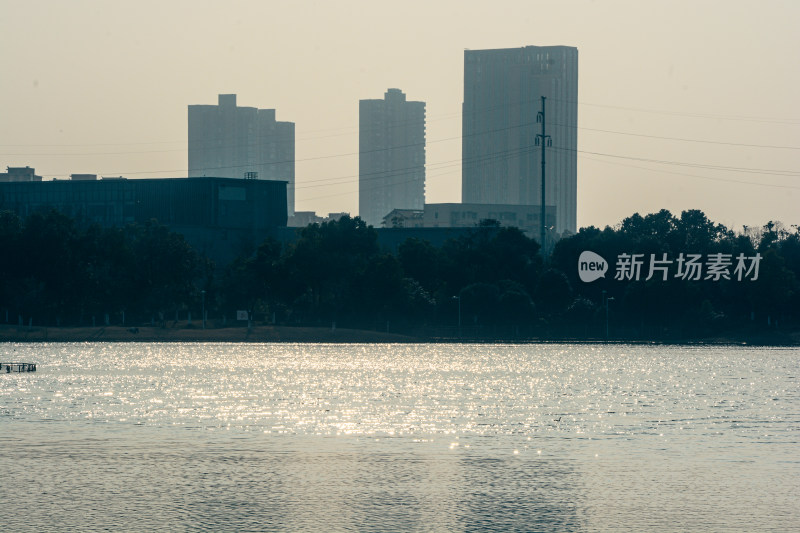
(591,266)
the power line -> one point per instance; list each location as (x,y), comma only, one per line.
(295,160)
(369,176)
(530,150)
(348,154)
(511,153)
(380,186)
(773,172)
(514,153)
(344,131)
(661,171)
(741,118)
(498,130)
(703,141)
(352,130)
(376,187)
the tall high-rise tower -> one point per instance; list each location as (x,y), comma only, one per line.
(227,141)
(391,159)
(502,96)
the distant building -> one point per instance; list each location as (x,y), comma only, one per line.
(525,217)
(19,174)
(301,219)
(218,216)
(390,239)
(501,163)
(404,218)
(237,142)
(391,161)
(334,217)
(83,177)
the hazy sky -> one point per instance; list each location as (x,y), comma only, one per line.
(669,91)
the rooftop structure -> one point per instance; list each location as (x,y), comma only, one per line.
(19,174)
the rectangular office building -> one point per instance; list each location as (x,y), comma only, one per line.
(218,216)
(501,163)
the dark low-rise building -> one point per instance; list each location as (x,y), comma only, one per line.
(218,216)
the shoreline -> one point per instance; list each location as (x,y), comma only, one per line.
(291,334)
(255,334)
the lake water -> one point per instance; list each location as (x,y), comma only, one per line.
(285,437)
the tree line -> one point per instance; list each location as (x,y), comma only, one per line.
(491,283)
(55,272)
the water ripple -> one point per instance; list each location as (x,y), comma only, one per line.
(290,437)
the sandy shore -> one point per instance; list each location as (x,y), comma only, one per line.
(196,334)
(182,333)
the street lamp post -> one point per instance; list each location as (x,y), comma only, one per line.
(204,308)
(459,313)
(603,307)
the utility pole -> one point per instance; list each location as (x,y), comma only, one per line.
(543,140)
(204,308)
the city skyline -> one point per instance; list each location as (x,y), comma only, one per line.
(681,106)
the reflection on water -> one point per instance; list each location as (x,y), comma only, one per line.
(400,438)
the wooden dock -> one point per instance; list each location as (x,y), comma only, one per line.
(6,368)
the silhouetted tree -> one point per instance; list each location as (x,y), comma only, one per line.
(421,261)
(554,292)
(327,260)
